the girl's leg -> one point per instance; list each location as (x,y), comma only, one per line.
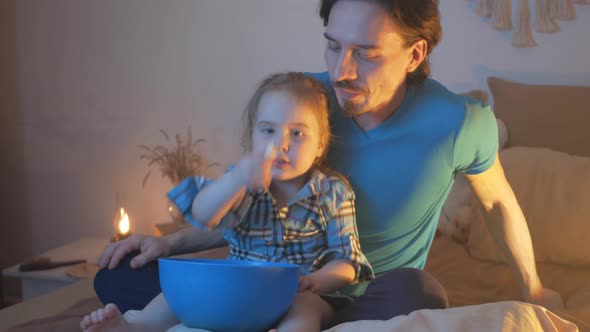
(156,316)
(308,313)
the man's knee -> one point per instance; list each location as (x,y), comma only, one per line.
(416,288)
(128,288)
(398,292)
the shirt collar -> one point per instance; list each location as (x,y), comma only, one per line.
(317,185)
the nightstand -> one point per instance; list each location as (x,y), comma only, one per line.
(163,229)
(35,283)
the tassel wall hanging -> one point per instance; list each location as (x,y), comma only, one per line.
(544,23)
(547,13)
(523,35)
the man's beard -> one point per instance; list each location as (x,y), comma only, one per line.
(350,108)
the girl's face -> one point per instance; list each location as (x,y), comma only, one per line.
(292,126)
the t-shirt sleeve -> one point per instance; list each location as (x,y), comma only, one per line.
(476,143)
(322,77)
(183,196)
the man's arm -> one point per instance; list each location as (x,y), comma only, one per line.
(186,240)
(191,239)
(509,229)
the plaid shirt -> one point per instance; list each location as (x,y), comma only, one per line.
(315,227)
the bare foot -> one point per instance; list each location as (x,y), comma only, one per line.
(108,319)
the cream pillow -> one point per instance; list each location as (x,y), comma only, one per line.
(553,189)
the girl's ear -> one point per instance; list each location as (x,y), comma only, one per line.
(321,148)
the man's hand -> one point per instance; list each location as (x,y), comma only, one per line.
(306,283)
(150,247)
(547,298)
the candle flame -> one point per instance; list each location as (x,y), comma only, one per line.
(124,224)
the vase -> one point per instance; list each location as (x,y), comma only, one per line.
(175,214)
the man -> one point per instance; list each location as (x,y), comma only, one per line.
(400,138)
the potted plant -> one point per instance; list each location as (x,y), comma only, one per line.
(176,160)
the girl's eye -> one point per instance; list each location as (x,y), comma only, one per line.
(268,130)
(297,133)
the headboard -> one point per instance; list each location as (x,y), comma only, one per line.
(551,116)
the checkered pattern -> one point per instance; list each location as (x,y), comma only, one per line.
(315,227)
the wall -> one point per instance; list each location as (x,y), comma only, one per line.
(15,221)
(471,50)
(97,78)
(100,77)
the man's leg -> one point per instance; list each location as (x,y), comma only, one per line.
(398,292)
(128,288)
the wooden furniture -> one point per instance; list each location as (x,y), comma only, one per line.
(36,283)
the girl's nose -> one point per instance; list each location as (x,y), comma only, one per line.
(284,144)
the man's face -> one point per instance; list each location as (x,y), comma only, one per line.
(365,55)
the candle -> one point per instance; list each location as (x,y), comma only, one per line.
(122,225)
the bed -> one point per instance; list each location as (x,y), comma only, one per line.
(482,290)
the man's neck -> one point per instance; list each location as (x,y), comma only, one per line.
(372,119)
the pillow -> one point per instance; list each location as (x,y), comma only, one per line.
(553,189)
(549,116)
(458,211)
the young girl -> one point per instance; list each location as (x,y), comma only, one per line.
(279,203)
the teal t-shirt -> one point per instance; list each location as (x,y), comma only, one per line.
(403,170)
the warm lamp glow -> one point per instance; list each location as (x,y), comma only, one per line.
(124,224)
(121,225)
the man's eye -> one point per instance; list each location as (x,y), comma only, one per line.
(333,47)
(364,56)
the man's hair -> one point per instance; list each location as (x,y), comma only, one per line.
(306,89)
(418,19)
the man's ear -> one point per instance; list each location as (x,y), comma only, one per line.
(417,55)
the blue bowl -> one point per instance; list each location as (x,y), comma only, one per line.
(227,295)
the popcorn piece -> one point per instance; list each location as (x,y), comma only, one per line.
(270,150)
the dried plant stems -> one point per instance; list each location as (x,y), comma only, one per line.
(181,160)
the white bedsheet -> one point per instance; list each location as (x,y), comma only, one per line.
(505,316)
(508,316)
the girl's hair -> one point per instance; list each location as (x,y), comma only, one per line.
(306,89)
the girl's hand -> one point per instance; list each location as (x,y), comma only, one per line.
(256,167)
(307,283)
